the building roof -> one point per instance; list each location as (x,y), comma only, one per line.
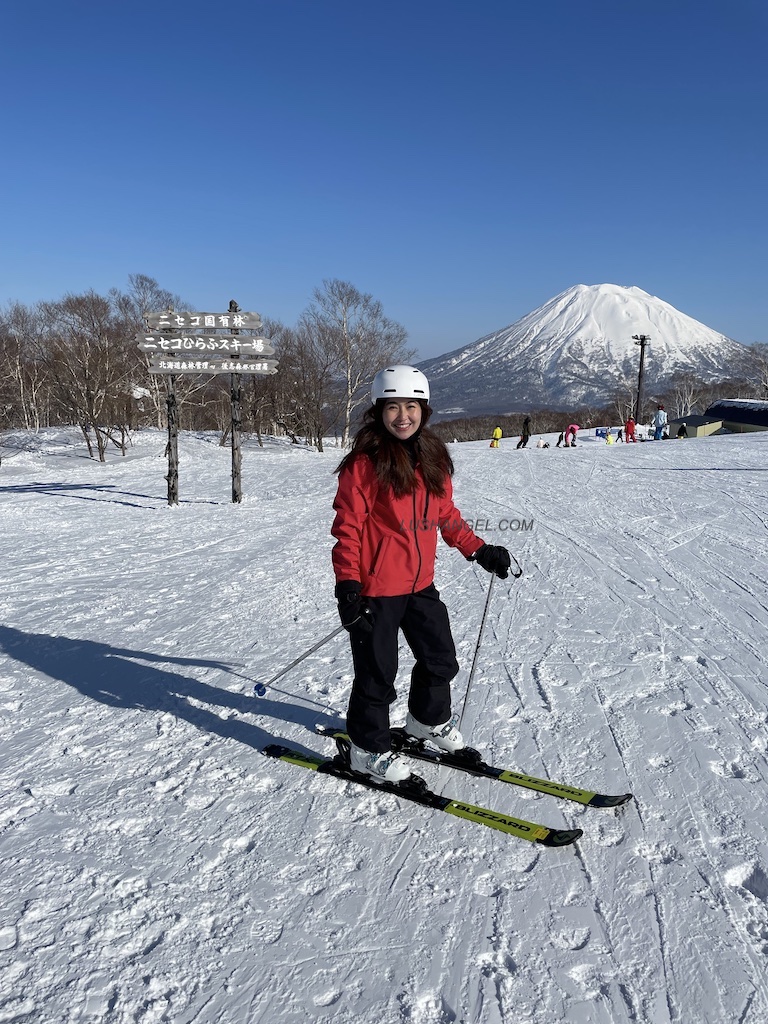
(739,410)
(694,420)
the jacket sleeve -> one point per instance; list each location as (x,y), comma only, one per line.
(353,503)
(456,533)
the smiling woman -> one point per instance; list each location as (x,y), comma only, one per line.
(402,417)
(394,495)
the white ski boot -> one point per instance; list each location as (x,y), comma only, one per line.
(386,767)
(444,737)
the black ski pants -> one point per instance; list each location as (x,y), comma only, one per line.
(423,619)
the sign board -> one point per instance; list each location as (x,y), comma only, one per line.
(209,344)
(172,321)
(208,366)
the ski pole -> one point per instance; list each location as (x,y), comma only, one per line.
(261,688)
(477,647)
(516,574)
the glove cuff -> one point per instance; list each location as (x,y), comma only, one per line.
(345,588)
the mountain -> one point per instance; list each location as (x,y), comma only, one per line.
(578,349)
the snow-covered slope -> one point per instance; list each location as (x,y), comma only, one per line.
(156,869)
(578,348)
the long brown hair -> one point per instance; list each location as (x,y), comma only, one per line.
(395,466)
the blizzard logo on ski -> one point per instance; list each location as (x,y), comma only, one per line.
(476,812)
(515,825)
(550,787)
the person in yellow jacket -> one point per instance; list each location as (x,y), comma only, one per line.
(495,443)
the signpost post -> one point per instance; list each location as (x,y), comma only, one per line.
(175,348)
(173,442)
(235,392)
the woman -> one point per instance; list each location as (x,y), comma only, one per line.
(394,494)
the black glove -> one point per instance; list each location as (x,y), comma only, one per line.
(494,558)
(355,615)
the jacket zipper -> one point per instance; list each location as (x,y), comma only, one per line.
(416,523)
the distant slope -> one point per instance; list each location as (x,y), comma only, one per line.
(578,349)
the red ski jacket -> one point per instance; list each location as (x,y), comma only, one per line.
(387,543)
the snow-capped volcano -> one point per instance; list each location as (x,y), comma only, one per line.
(575,349)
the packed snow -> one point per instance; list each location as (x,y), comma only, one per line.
(157,868)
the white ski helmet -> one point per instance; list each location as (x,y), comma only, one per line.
(400,382)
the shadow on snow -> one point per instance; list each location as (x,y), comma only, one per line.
(126,679)
(110,494)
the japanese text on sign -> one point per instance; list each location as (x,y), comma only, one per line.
(266,366)
(170,320)
(204,343)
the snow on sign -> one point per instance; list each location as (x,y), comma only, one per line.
(192,365)
(209,344)
(172,321)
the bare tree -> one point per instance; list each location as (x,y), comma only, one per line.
(267,395)
(684,393)
(89,365)
(316,387)
(624,399)
(352,327)
(144,295)
(23,375)
(756,369)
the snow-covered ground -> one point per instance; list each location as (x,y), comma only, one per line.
(156,867)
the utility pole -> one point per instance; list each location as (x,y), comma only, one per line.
(641,340)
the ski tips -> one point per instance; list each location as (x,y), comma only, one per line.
(561,837)
(602,800)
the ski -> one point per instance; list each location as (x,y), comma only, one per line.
(415,789)
(469,760)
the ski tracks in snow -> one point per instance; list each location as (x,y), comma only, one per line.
(162,872)
(634,599)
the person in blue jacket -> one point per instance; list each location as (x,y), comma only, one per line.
(659,423)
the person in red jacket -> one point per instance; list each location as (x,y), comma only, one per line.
(394,495)
(629,430)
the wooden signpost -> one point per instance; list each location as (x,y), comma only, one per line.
(174,348)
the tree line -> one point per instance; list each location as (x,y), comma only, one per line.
(75,361)
(683,395)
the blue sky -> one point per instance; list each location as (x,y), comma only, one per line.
(463,162)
